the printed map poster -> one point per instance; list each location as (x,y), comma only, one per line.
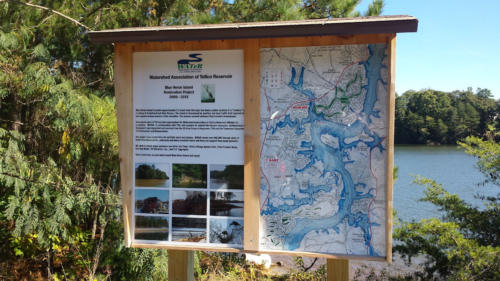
(188,148)
(324,143)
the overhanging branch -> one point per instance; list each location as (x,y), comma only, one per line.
(50,10)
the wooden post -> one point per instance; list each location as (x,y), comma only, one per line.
(337,270)
(180,265)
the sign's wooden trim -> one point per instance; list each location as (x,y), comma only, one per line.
(391,104)
(323,40)
(186,247)
(123,93)
(262,43)
(252,146)
(235,250)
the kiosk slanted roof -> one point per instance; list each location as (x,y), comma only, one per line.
(299,28)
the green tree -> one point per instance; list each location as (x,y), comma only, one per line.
(430,116)
(465,243)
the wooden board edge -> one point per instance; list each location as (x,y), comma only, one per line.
(123,93)
(311,41)
(252,146)
(242,251)
(186,248)
(391,103)
(276,42)
(323,255)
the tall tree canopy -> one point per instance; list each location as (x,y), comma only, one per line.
(430,116)
(59,185)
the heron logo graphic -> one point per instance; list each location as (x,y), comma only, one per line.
(190,65)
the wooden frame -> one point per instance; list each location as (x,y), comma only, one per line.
(251,48)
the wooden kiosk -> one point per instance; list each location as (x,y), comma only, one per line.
(266,137)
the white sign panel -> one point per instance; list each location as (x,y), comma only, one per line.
(188,148)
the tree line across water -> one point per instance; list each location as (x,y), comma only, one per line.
(436,117)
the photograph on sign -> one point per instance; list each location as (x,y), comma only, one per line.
(189,229)
(151,175)
(187,113)
(226,231)
(324,143)
(151,201)
(226,176)
(189,175)
(151,228)
(189,202)
(228,204)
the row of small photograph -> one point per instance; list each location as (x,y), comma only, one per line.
(222,230)
(222,203)
(189,175)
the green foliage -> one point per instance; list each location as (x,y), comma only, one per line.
(233,174)
(145,171)
(465,244)
(436,117)
(189,175)
(488,154)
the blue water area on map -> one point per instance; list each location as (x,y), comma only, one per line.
(333,159)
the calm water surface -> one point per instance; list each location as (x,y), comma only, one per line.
(447,165)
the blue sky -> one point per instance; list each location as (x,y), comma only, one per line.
(457,45)
(141,194)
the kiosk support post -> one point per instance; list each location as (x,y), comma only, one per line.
(180,265)
(337,270)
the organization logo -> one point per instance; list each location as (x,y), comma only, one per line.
(190,65)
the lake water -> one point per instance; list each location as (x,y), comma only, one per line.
(233,212)
(447,165)
(223,184)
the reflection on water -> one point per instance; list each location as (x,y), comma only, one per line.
(161,236)
(223,184)
(151,183)
(235,211)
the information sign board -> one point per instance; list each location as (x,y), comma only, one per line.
(188,147)
(259,137)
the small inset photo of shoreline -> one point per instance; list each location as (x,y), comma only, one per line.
(227,204)
(151,175)
(226,176)
(151,228)
(189,175)
(208,93)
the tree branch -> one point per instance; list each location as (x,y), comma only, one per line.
(50,10)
